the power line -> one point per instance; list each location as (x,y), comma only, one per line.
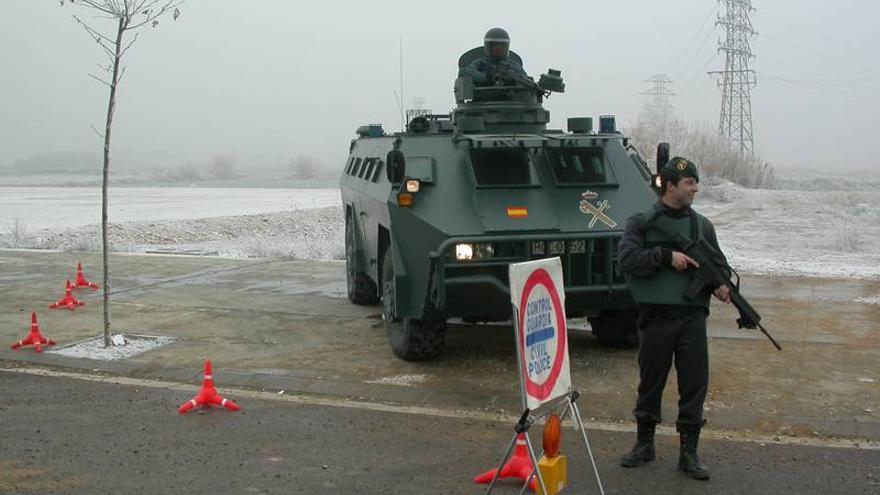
(815,34)
(848,93)
(700,72)
(825,52)
(694,56)
(690,43)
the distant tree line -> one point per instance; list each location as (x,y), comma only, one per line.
(62,162)
(303,167)
(220,167)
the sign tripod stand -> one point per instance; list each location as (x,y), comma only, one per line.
(522,427)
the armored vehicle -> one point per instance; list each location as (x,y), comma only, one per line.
(434,214)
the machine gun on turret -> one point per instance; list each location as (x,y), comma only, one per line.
(551,82)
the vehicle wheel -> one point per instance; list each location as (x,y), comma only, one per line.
(411,339)
(617,328)
(361,289)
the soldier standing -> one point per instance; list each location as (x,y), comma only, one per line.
(490,69)
(672,326)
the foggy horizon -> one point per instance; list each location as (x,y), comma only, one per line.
(265,82)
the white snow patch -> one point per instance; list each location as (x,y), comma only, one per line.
(869,300)
(401,380)
(94,348)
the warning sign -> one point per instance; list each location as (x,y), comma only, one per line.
(538,296)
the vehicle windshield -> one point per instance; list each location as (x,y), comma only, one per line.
(577,165)
(502,167)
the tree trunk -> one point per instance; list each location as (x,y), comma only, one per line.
(105,235)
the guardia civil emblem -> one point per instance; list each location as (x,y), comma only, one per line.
(596,211)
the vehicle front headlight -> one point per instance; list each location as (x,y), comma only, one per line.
(413,186)
(475,251)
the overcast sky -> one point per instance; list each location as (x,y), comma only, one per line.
(266,80)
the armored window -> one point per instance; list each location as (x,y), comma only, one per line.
(502,167)
(578,165)
(356,167)
(378,170)
(348,165)
(367,170)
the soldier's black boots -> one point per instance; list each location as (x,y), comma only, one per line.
(687,458)
(643,451)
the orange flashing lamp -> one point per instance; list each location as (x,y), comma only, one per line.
(405,199)
(553,465)
(552,435)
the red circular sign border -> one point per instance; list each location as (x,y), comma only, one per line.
(540,276)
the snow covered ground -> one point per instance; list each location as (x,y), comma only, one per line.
(66,207)
(799,233)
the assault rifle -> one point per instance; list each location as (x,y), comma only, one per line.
(715,272)
(506,72)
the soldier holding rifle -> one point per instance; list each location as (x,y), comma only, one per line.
(672,319)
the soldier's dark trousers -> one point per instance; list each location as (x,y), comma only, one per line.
(673,334)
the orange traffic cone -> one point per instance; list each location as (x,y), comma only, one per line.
(68,301)
(34,338)
(208,395)
(81,282)
(518,466)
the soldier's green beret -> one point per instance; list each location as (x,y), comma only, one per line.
(678,166)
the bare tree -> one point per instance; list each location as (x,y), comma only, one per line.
(303,167)
(129,16)
(717,157)
(222,167)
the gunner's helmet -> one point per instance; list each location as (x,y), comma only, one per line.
(496,43)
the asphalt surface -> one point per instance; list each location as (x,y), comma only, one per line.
(67,435)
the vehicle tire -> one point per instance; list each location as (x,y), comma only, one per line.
(361,289)
(411,339)
(617,328)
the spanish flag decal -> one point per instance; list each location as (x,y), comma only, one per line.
(517,212)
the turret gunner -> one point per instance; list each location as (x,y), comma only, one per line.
(672,324)
(494,69)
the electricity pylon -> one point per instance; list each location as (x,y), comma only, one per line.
(737,79)
(659,107)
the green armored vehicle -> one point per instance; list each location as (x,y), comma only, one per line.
(435,214)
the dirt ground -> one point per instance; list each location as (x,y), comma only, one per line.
(287,325)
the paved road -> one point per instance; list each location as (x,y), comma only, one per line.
(69,435)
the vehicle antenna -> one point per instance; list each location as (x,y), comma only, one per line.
(401,100)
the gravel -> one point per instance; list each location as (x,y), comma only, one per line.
(94,348)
